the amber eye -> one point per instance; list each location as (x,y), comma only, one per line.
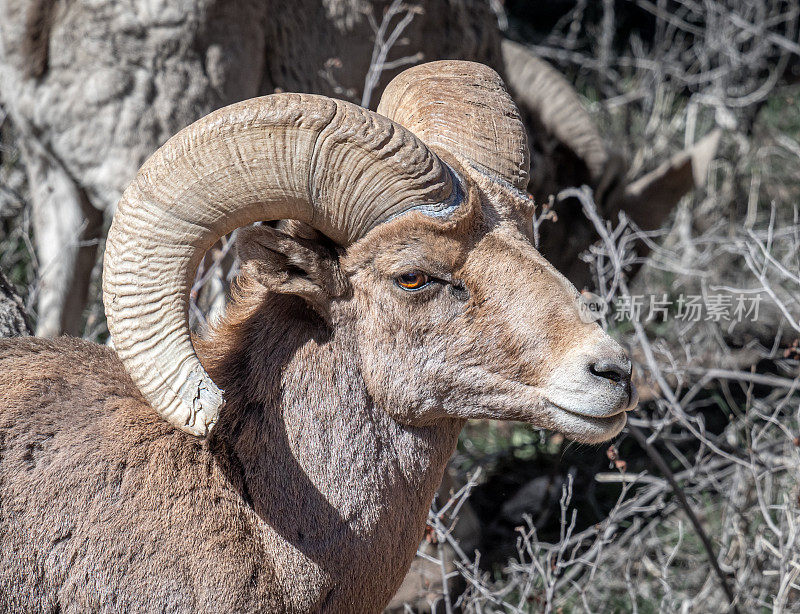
(413,281)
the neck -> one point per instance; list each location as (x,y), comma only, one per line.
(327,471)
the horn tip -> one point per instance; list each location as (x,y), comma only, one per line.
(200,403)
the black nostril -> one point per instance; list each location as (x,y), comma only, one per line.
(612,370)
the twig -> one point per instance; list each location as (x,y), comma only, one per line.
(709,547)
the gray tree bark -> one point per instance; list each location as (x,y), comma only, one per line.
(13,319)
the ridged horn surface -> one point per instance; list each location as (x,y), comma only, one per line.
(331,164)
(464,109)
(553,102)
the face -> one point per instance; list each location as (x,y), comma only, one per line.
(469,321)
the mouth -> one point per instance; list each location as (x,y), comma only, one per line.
(599,420)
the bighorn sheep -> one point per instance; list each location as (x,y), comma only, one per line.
(403,299)
(95,89)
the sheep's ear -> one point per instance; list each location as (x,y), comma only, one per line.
(288,260)
(649,200)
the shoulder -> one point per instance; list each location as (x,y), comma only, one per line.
(69,385)
(74,397)
(29,361)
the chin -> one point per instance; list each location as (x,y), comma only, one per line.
(588,429)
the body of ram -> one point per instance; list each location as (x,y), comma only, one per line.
(105,507)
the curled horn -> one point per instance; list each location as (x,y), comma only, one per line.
(338,167)
(462,108)
(555,105)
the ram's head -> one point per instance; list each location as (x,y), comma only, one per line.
(413,247)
